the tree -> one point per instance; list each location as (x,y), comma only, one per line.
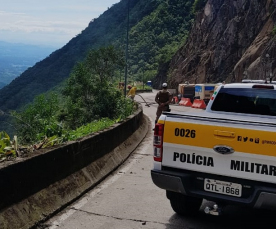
(90,95)
(103,62)
(38,119)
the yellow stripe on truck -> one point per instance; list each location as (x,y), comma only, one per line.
(201,135)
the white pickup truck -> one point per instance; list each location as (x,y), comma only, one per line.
(225,154)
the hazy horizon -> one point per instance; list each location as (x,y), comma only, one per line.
(47,23)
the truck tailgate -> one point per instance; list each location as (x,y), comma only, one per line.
(238,148)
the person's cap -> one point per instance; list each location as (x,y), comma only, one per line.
(164,85)
(129,87)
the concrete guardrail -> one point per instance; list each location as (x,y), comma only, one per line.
(33,189)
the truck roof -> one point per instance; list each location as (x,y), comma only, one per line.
(250,99)
(247,85)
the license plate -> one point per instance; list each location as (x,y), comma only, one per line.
(222,187)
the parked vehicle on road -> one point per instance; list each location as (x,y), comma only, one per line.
(225,154)
(204,91)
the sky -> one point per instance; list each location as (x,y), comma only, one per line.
(47,22)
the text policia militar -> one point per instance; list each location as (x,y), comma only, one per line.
(243,166)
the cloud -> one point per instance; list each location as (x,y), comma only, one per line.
(65,18)
(22,22)
(9,13)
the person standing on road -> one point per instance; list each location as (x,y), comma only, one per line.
(163,98)
(132,92)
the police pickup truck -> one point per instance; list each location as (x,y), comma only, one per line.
(225,154)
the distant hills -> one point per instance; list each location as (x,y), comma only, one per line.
(15,58)
(2,85)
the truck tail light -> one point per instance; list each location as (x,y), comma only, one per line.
(263,86)
(158,142)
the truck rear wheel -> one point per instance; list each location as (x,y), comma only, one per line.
(184,205)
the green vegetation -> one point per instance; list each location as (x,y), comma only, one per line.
(274,30)
(155,39)
(38,119)
(88,103)
(7,147)
(198,5)
(92,127)
(89,94)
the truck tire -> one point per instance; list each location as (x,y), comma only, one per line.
(184,205)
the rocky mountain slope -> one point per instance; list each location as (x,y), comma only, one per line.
(230,40)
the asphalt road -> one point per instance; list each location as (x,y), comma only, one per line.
(129,200)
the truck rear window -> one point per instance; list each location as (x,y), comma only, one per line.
(246,100)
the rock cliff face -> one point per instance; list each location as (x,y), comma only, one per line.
(230,40)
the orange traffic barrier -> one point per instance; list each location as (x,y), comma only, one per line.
(199,103)
(185,102)
(175,99)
